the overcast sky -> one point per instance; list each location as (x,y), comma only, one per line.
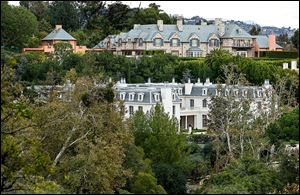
(265,13)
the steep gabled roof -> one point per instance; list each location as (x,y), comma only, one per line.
(59,34)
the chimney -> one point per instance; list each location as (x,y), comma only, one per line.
(203,23)
(58,26)
(136,26)
(180,24)
(207,82)
(220,26)
(149,80)
(272,42)
(285,65)
(160,25)
(173,80)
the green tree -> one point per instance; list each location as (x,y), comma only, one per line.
(147,184)
(255,31)
(246,175)
(295,39)
(171,177)
(284,129)
(38,8)
(17,25)
(64,13)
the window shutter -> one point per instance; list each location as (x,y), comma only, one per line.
(191,43)
(178,42)
(161,42)
(171,43)
(154,42)
(198,43)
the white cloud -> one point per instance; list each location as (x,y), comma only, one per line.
(271,13)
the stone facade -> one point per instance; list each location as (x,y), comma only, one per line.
(218,35)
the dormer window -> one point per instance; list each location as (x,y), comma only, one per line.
(174,96)
(140,96)
(158,42)
(129,40)
(244,92)
(179,91)
(259,93)
(194,42)
(226,92)
(156,97)
(204,91)
(175,42)
(131,96)
(122,96)
(236,92)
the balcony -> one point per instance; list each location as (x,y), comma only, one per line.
(237,45)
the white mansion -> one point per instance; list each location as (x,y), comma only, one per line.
(187,102)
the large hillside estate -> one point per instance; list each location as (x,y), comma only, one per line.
(188,40)
(187,102)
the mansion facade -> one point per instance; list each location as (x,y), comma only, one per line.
(188,40)
(188,102)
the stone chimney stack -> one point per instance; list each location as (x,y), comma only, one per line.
(58,26)
(180,24)
(220,25)
(160,25)
(272,42)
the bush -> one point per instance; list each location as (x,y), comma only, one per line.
(279,54)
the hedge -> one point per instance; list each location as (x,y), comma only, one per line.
(279,54)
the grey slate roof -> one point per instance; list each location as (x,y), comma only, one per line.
(60,34)
(204,32)
(263,41)
(233,30)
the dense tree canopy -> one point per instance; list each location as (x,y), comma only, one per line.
(17,26)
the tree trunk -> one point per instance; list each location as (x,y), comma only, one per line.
(229,144)
(65,146)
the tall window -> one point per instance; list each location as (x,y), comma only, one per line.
(214,43)
(204,91)
(158,42)
(131,96)
(140,108)
(140,42)
(259,105)
(204,103)
(194,42)
(175,42)
(191,103)
(174,111)
(140,96)
(122,96)
(242,53)
(130,110)
(204,121)
(156,97)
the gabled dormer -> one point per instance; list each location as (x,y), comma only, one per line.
(194,40)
